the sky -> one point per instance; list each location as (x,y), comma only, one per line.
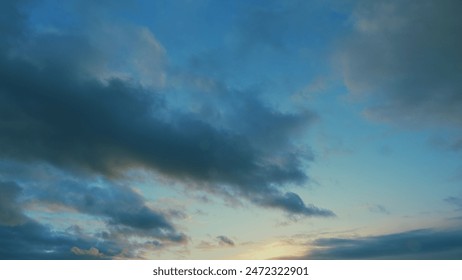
(208,129)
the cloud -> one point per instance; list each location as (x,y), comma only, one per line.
(34,241)
(56,108)
(418,244)
(21,237)
(219,241)
(92,252)
(224,240)
(404,56)
(377,208)
(119,215)
(294,204)
(123,210)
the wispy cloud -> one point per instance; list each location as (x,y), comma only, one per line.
(219,241)
(377,208)
(224,240)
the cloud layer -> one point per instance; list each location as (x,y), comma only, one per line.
(405,56)
(424,244)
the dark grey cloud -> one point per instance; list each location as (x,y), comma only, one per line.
(123,213)
(417,244)
(224,240)
(124,210)
(405,57)
(24,238)
(34,241)
(293,203)
(55,109)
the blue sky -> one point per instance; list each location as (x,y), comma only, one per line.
(230,129)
